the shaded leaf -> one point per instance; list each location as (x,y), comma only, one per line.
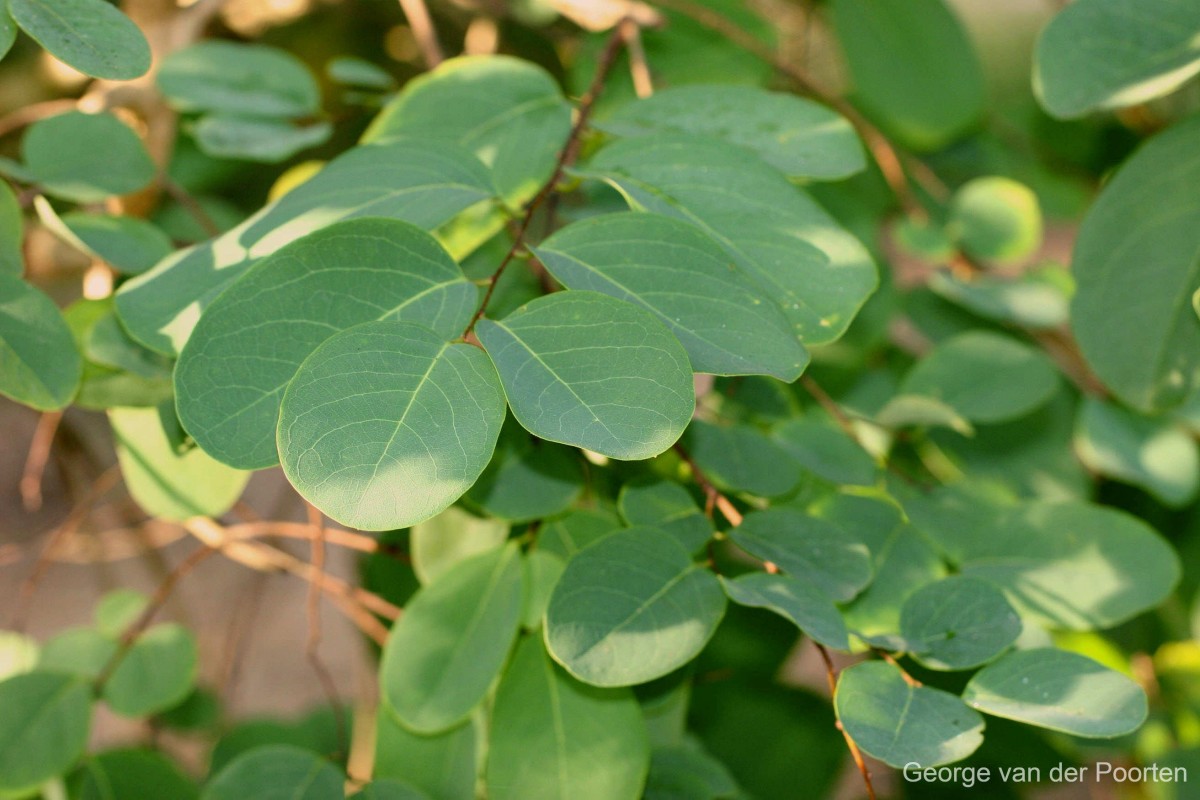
(43,729)
(667,506)
(741,458)
(86,157)
(438,543)
(92,36)
(277,772)
(156,673)
(957,623)
(795,600)
(996,219)
(252,139)
(39,363)
(238,78)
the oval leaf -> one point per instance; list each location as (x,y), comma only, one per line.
(585,369)
(900,723)
(156,673)
(958,623)
(444,653)
(631,608)
(386,424)
(670,267)
(86,157)
(90,35)
(1059,690)
(39,363)
(236,78)
(250,342)
(277,772)
(43,729)
(553,736)
(800,602)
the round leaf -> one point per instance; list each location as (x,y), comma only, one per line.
(958,623)
(826,451)
(386,424)
(131,774)
(268,141)
(1058,690)
(277,772)
(670,267)
(438,543)
(250,342)
(236,78)
(43,729)
(156,673)
(128,244)
(667,506)
(39,363)
(444,653)
(984,376)
(742,459)
(797,601)
(899,723)
(807,548)
(86,157)
(528,479)
(90,35)
(631,608)
(119,609)
(555,737)
(584,369)
(996,219)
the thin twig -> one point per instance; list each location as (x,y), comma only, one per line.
(423,31)
(713,495)
(35,462)
(161,594)
(566,156)
(889,658)
(299,530)
(829,404)
(191,205)
(855,753)
(639,69)
(312,647)
(27,115)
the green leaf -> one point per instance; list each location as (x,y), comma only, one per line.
(388,789)
(687,770)
(742,459)
(528,479)
(386,424)
(996,219)
(156,673)
(8,30)
(90,35)
(899,723)
(43,729)
(128,244)
(423,183)
(316,732)
(106,344)
(1134,326)
(268,141)
(902,562)
(985,377)
(507,111)
(39,363)
(726,324)
(667,506)
(118,610)
(1105,54)
(164,482)
(584,369)
(442,766)
(131,774)
(438,543)
(570,533)
(251,340)
(452,641)
(1058,690)
(631,608)
(1037,298)
(920,411)
(800,602)
(12,224)
(913,68)
(18,654)
(236,78)
(353,71)
(798,255)
(826,451)
(801,138)
(83,652)
(553,736)
(543,568)
(278,772)
(958,623)
(86,157)
(808,548)
(1154,454)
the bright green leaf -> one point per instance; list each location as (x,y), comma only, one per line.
(86,157)
(12,224)
(1037,298)
(156,673)
(438,543)
(996,219)
(900,723)
(83,652)
(921,411)
(92,36)
(808,548)
(164,482)
(386,424)
(584,369)
(18,654)
(1134,326)
(798,601)
(443,766)
(251,341)
(277,772)
(1058,690)
(8,30)
(236,78)
(553,736)
(388,789)
(630,608)
(1105,54)
(39,363)
(43,729)
(452,641)
(118,610)
(957,623)
(726,324)
(570,533)
(801,138)
(353,71)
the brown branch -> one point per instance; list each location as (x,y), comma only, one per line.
(889,658)
(299,530)
(139,626)
(855,753)
(312,646)
(27,115)
(566,157)
(713,495)
(423,30)
(35,462)
(191,205)
(829,404)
